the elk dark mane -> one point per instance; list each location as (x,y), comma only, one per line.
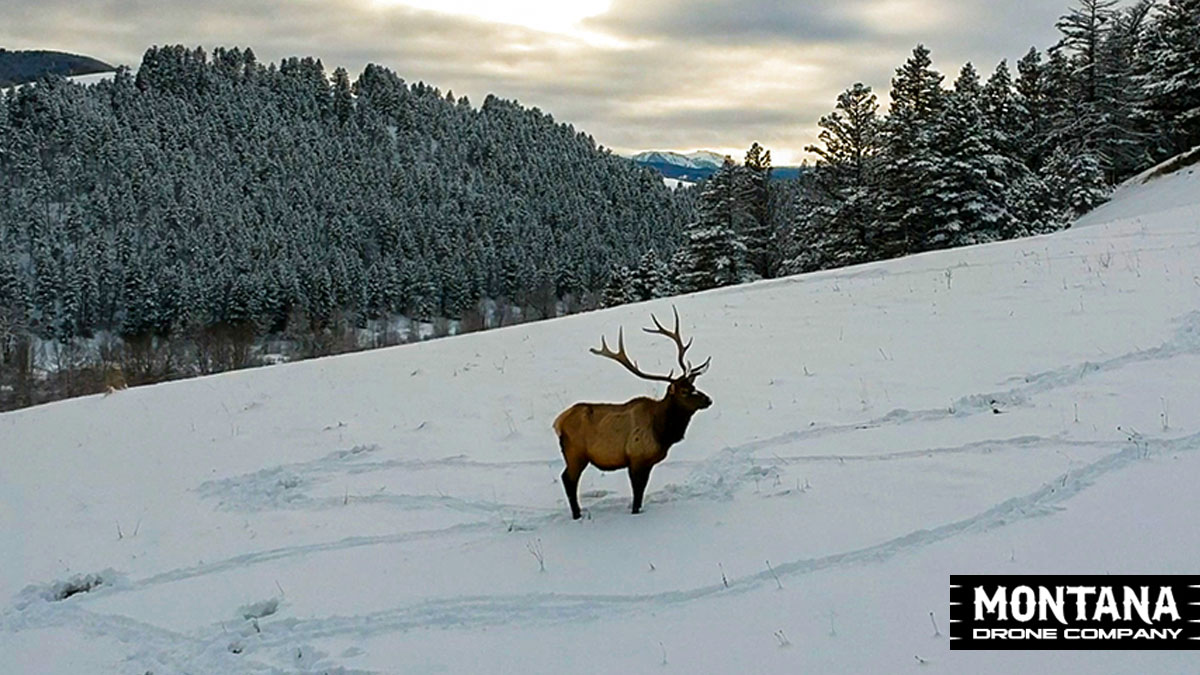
(671,423)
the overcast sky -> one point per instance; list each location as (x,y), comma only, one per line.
(636,74)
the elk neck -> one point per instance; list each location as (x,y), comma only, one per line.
(670,421)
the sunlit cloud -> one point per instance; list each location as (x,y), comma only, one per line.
(907,17)
(549,16)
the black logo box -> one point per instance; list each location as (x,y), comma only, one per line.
(1128,631)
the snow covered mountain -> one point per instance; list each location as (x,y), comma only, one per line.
(690,168)
(700,159)
(1020,407)
(695,166)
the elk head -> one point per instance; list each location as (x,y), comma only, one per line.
(681,390)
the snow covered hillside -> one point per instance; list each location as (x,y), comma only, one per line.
(1022,407)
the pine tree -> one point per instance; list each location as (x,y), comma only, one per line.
(1003,113)
(908,157)
(1125,140)
(650,279)
(455,289)
(1090,118)
(758,234)
(5,136)
(1075,183)
(968,180)
(568,280)
(1034,112)
(838,206)
(617,291)
(14,300)
(713,254)
(424,296)
(812,244)
(343,99)
(67,322)
(1170,79)
(1083,31)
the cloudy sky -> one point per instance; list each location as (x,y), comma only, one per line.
(636,74)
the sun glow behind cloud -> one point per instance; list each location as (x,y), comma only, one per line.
(551,16)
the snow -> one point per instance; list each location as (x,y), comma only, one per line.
(675,183)
(707,158)
(93,78)
(1019,407)
(1150,194)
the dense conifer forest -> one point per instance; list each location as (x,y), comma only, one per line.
(211,202)
(1023,151)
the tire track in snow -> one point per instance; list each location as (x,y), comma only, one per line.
(1186,341)
(733,469)
(717,477)
(285,486)
(284,552)
(451,461)
(985,446)
(488,610)
(464,612)
(473,611)
(279,487)
(729,481)
(714,479)
(156,647)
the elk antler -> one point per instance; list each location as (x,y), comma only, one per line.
(622,358)
(689,371)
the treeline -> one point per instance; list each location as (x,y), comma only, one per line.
(1014,155)
(207,204)
(1018,154)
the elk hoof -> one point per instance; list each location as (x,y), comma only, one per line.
(576,515)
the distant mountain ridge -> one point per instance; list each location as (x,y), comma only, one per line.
(19,67)
(695,166)
(700,159)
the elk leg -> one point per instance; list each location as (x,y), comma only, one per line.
(571,485)
(638,477)
(570,475)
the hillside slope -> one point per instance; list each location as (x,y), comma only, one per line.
(1022,407)
(17,67)
(213,195)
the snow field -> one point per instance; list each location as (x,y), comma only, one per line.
(1020,407)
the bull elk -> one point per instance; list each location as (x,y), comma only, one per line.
(634,435)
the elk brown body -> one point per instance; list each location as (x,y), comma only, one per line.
(634,435)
